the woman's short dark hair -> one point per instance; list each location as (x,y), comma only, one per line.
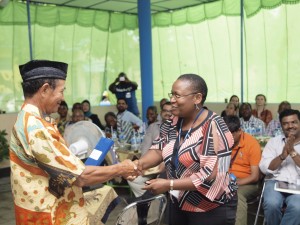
(32,86)
(233,123)
(289,112)
(198,84)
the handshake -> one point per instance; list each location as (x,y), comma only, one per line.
(130,169)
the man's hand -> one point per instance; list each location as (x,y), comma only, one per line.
(128,168)
(289,146)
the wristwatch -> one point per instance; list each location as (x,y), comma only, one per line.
(293,154)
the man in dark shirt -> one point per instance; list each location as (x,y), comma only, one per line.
(122,87)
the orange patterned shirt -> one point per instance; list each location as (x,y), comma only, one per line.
(42,173)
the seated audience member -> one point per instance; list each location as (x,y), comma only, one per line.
(63,118)
(236,101)
(249,123)
(245,158)
(78,115)
(86,107)
(117,127)
(281,160)
(125,115)
(274,127)
(151,114)
(231,110)
(260,111)
(78,105)
(161,103)
(152,133)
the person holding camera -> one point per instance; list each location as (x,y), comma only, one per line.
(122,87)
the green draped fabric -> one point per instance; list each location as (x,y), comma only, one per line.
(203,39)
(15,13)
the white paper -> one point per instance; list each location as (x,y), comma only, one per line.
(95,154)
(175,193)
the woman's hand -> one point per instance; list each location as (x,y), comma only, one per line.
(157,186)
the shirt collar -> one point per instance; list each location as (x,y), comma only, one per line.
(241,143)
(32,109)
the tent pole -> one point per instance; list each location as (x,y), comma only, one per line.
(29,28)
(145,32)
(242,51)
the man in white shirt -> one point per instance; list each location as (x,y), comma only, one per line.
(281,159)
(125,115)
(249,123)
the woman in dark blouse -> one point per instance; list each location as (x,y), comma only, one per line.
(86,107)
(195,147)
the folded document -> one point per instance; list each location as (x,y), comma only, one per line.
(98,154)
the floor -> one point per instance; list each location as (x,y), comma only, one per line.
(7,210)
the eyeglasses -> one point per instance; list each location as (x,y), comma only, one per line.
(171,95)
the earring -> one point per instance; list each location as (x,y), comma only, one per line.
(197,107)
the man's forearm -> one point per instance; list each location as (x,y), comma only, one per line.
(99,174)
(247,180)
(276,162)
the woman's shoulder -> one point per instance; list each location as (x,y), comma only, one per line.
(214,117)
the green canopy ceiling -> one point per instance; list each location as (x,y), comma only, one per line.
(203,39)
(49,15)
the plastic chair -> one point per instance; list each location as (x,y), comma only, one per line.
(259,204)
(143,212)
(266,178)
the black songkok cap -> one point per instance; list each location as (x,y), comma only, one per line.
(38,69)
